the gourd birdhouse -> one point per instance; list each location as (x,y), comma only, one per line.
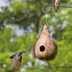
(46,47)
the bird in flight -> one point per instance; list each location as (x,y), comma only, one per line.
(56,4)
(17,58)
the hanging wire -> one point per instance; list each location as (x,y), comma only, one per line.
(46,20)
(52,5)
(46,12)
(64,6)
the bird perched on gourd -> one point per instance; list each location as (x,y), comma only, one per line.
(46,47)
(56,4)
(17,60)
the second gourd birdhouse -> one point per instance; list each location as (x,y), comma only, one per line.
(46,47)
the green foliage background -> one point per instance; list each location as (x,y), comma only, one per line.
(30,16)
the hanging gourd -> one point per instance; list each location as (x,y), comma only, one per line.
(46,47)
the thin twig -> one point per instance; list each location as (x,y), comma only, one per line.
(65,6)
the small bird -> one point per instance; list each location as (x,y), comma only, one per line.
(17,60)
(56,4)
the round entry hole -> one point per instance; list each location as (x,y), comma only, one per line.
(42,48)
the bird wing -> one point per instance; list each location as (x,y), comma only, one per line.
(13,56)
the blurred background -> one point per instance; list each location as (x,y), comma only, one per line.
(21,22)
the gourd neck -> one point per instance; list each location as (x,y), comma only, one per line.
(45,31)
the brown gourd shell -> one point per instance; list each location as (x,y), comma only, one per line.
(46,47)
